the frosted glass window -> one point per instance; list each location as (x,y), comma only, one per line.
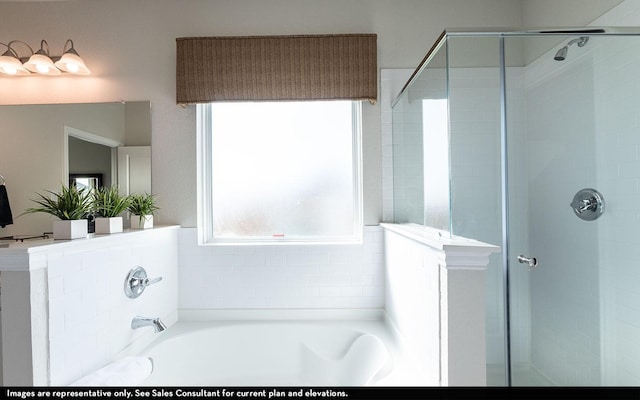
(284,171)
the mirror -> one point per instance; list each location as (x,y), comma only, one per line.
(44,146)
(90,182)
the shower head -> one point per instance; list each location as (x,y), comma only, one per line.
(561,54)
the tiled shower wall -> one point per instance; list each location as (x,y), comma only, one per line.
(560,152)
(617,126)
(342,276)
(583,131)
(391,82)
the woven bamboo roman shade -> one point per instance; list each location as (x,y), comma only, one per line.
(273,68)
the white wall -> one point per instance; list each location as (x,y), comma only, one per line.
(412,301)
(282,276)
(434,291)
(552,13)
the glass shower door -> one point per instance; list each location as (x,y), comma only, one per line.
(573,189)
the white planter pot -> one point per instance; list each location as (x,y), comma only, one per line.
(70,229)
(108,225)
(141,221)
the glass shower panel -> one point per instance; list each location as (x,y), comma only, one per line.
(408,167)
(551,157)
(435,133)
(420,144)
(475,127)
(475,122)
(572,125)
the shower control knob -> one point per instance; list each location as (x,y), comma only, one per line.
(137,281)
(588,204)
(583,205)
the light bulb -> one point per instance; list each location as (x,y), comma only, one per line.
(43,69)
(73,68)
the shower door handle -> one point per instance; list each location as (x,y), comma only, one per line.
(532,262)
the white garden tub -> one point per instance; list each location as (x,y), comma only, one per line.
(274,353)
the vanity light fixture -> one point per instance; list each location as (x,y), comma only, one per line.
(10,63)
(41,62)
(71,62)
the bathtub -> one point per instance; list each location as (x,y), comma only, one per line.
(277,353)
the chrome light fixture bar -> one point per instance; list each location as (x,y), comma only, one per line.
(41,62)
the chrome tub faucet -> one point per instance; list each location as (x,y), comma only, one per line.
(156,323)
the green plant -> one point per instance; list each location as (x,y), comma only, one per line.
(107,202)
(142,204)
(70,204)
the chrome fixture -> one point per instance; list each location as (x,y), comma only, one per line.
(137,281)
(561,55)
(588,204)
(41,62)
(156,323)
(532,262)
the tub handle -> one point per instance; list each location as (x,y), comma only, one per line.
(137,281)
(146,281)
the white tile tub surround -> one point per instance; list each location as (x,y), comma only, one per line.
(64,310)
(281,276)
(435,291)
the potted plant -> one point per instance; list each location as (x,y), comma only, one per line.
(71,205)
(143,206)
(108,204)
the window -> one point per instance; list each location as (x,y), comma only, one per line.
(279,172)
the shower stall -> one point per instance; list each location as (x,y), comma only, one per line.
(530,140)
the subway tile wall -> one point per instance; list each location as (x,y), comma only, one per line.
(281,276)
(585,308)
(391,82)
(617,126)
(89,314)
(560,151)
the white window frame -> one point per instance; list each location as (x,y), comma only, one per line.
(204,187)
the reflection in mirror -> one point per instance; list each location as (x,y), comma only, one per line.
(86,157)
(90,182)
(41,145)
